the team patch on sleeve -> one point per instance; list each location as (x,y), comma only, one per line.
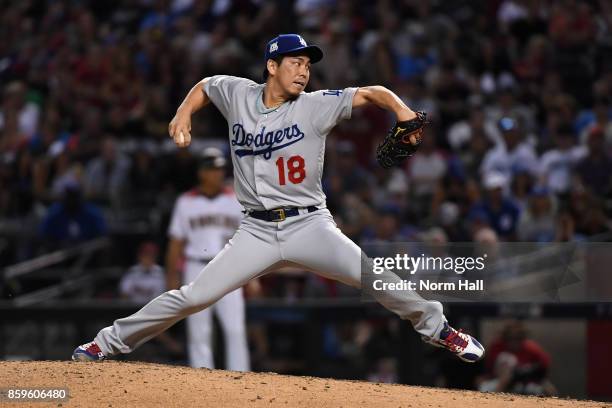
(332,92)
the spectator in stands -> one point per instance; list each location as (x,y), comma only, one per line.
(106,176)
(595,223)
(425,169)
(89,137)
(416,95)
(353,177)
(595,170)
(418,61)
(21,183)
(451,91)
(72,220)
(532,66)
(557,165)
(587,212)
(497,208)
(390,186)
(387,228)
(522,184)
(486,241)
(64,171)
(143,178)
(26,113)
(517,364)
(453,188)
(565,228)
(507,105)
(537,221)
(460,134)
(474,153)
(599,116)
(156,111)
(12,138)
(512,155)
(435,243)
(145,280)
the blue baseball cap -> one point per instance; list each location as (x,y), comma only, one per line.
(288,43)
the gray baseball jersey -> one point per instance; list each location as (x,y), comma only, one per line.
(277,153)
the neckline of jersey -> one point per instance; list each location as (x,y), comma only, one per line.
(261,108)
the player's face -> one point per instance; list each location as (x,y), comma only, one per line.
(212,178)
(147,260)
(293,74)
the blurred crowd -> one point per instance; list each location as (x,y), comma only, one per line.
(519,93)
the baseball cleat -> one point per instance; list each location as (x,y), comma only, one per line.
(88,352)
(464,346)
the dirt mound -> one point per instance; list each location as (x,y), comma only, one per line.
(121,384)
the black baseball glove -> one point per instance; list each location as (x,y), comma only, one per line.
(396,146)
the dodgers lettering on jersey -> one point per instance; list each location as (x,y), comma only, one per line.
(277,154)
(264,142)
(206,224)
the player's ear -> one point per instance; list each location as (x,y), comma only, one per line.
(272,65)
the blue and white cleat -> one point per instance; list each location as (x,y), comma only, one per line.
(464,346)
(88,352)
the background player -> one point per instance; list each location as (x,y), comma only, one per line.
(203,220)
(277,136)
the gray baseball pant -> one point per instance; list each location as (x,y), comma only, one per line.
(311,240)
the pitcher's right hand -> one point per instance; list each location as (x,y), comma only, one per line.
(179,129)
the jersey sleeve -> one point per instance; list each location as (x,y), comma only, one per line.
(222,89)
(329,107)
(178,224)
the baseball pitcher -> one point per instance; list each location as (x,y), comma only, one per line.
(203,220)
(277,135)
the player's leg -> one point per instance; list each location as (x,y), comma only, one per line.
(199,339)
(229,270)
(318,244)
(231,314)
(199,327)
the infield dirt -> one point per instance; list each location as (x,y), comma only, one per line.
(131,384)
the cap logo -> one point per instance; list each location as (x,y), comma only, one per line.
(274,47)
(302,41)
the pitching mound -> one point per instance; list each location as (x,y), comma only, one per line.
(120,384)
